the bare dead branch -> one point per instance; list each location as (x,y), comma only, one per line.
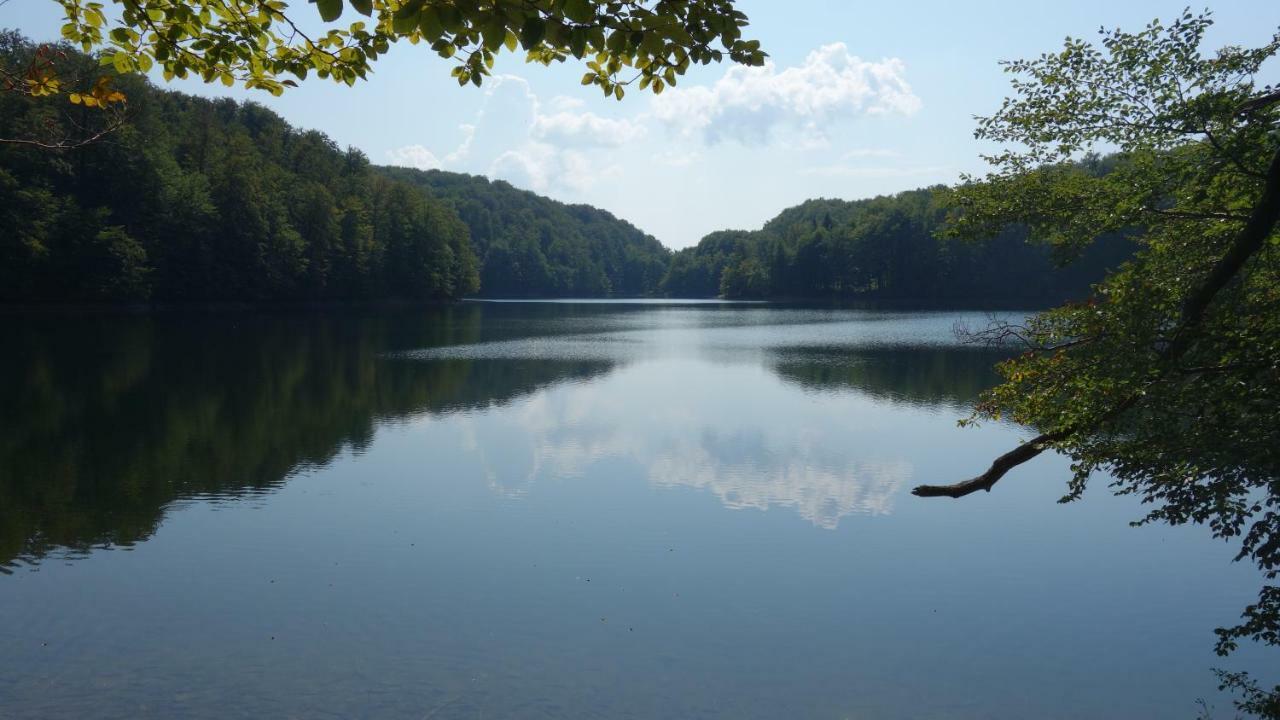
(999,467)
(68,143)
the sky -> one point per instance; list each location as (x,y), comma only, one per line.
(858,99)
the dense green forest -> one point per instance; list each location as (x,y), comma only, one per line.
(885,247)
(193,200)
(531,246)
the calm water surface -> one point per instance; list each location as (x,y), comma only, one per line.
(558,510)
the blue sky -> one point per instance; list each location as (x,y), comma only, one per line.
(859,99)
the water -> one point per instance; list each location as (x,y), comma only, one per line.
(564,510)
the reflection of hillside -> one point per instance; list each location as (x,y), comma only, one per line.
(106,421)
(916,375)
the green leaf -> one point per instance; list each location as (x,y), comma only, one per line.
(403,23)
(532,32)
(578,43)
(579,11)
(493,34)
(451,18)
(429,23)
(617,42)
(364,7)
(330,10)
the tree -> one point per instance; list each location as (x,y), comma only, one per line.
(1168,377)
(259,42)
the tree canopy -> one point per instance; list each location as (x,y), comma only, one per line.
(1168,377)
(197,199)
(266,43)
(885,248)
(532,246)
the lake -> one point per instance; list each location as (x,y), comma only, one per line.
(565,510)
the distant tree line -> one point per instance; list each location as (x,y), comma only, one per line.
(885,247)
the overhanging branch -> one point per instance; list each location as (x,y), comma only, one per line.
(999,467)
(1248,242)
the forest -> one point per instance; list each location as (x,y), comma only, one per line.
(887,247)
(194,200)
(532,246)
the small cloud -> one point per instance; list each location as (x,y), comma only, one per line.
(564,103)
(748,103)
(544,168)
(529,166)
(464,148)
(518,138)
(414,156)
(585,129)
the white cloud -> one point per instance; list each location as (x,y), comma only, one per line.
(529,166)
(748,103)
(464,148)
(517,138)
(414,156)
(585,128)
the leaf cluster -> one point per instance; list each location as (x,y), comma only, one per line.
(264,44)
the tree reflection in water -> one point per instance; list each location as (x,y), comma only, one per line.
(111,419)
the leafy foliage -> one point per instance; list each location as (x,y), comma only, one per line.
(46,71)
(885,247)
(1169,377)
(209,200)
(260,42)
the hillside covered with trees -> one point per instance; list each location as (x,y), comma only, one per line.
(532,246)
(886,247)
(193,200)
